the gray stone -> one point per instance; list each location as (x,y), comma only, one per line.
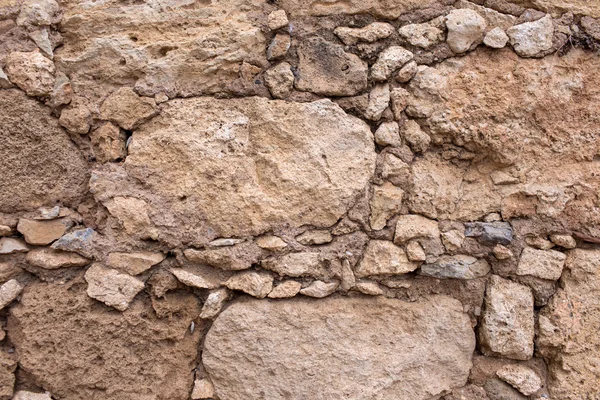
(10,245)
(490,232)
(456,267)
(339,348)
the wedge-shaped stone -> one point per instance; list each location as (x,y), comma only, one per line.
(383,257)
(111,287)
(48,258)
(335,348)
(134,263)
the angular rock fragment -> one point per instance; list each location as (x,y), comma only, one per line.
(374,347)
(39,12)
(109,143)
(76,119)
(388,134)
(456,267)
(111,287)
(214,303)
(348,280)
(496,389)
(230,258)
(270,242)
(507,325)
(5,230)
(134,263)
(465,28)
(10,245)
(496,38)
(413,134)
(369,288)
(545,264)
(31,71)
(80,241)
(522,378)
(424,35)
(297,264)
(279,46)
(389,60)
(199,277)
(325,68)
(225,242)
(257,284)
(382,257)
(407,72)
(25,395)
(415,226)
(490,232)
(49,258)
(134,215)
(9,291)
(203,389)
(532,38)
(125,108)
(566,241)
(502,252)
(320,289)
(316,236)
(41,233)
(4,82)
(539,242)
(42,40)
(453,240)
(280,80)
(277,19)
(8,365)
(379,100)
(369,33)
(385,203)
(285,290)
(415,251)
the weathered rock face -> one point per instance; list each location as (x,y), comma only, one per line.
(39,164)
(75,349)
(339,347)
(238,167)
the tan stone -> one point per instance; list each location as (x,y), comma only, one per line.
(203,389)
(388,134)
(5,230)
(279,46)
(565,241)
(369,288)
(325,68)
(415,252)
(31,71)
(9,291)
(214,303)
(111,287)
(456,267)
(230,258)
(39,12)
(316,236)
(76,119)
(266,180)
(108,143)
(424,35)
(453,240)
(280,80)
(270,242)
(277,20)
(415,137)
(48,258)
(197,277)
(502,252)
(545,264)
(369,33)
(285,290)
(126,109)
(319,289)
(382,257)
(297,264)
(415,226)
(407,72)
(465,28)
(385,203)
(379,100)
(257,284)
(374,347)
(42,233)
(348,280)
(496,38)
(134,263)
(507,325)
(133,214)
(522,378)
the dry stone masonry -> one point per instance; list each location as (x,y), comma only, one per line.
(299,199)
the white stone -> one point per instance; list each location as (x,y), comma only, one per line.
(382,257)
(379,99)
(532,38)
(222,242)
(257,284)
(319,289)
(370,33)
(25,395)
(10,245)
(9,291)
(390,60)
(496,38)
(112,287)
(195,279)
(521,377)
(285,290)
(214,303)
(424,35)
(465,28)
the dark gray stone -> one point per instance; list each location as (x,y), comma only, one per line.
(490,232)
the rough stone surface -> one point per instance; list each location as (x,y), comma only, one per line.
(134,263)
(496,38)
(490,232)
(379,100)
(277,20)
(257,284)
(415,226)
(313,237)
(31,71)
(545,264)
(230,258)
(385,203)
(42,232)
(112,287)
(456,267)
(507,325)
(40,165)
(285,290)
(531,38)
(325,68)
(369,33)
(297,264)
(25,395)
(424,35)
(388,134)
(280,80)
(61,334)
(417,139)
(319,289)
(334,334)
(126,109)
(214,304)
(465,28)
(197,277)
(522,378)
(389,61)
(262,179)
(109,143)
(53,259)
(76,119)
(382,257)
(11,245)
(270,242)
(9,292)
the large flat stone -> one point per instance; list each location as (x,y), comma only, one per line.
(210,168)
(338,348)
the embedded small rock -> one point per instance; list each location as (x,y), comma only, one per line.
(134,215)
(490,232)
(76,119)
(522,378)
(565,241)
(112,287)
(385,203)
(465,28)
(532,38)
(214,303)
(407,72)
(413,134)
(389,61)
(271,242)
(31,71)
(545,264)
(49,258)
(277,20)
(279,46)
(456,267)
(296,264)
(125,108)
(382,257)
(424,35)
(319,289)
(280,80)
(80,241)
(415,226)
(369,34)
(197,277)
(134,263)
(415,251)
(379,100)
(231,258)
(369,288)
(109,143)
(388,134)
(10,245)
(41,233)
(453,240)
(285,290)
(496,38)
(315,236)
(257,284)
(39,12)
(25,395)
(9,291)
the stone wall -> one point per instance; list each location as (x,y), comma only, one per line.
(299,199)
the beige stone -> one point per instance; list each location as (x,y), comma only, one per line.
(325,68)
(379,100)
(424,35)
(502,252)
(385,203)
(280,80)
(453,240)
(271,242)
(39,12)
(126,109)
(279,46)
(214,303)
(76,119)
(369,288)
(566,241)
(203,389)
(10,245)
(31,71)
(25,395)
(413,134)
(48,258)
(507,325)
(374,347)
(133,214)
(42,233)
(257,284)
(388,134)
(277,19)
(415,252)
(382,257)
(521,377)
(315,236)
(5,230)
(197,277)
(459,266)
(539,242)
(465,28)
(415,226)
(496,38)
(230,258)
(266,180)
(111,287)
(285,290)
(369,33)
(389,60)
(319,289)
(134,263)
(545,264)
(407,72)
(531,38)
(9,291)
(348,280)
(297,264)
(108,143)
